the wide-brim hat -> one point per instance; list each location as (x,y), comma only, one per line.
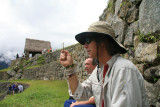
(100,28)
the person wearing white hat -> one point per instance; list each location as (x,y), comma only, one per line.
(115,82)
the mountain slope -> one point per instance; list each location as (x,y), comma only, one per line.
(4,62)
(3,65)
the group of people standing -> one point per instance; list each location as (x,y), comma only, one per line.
(17,56)
(46,50)
(15,88)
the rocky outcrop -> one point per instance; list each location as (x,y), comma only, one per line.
(149,15)
(153,93)
(4,76)
(152,74)
(11,72)
(146,52)
(136,22)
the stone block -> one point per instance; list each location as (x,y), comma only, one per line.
(120,28)
(4,76)
(146,52)
(153,92)
(152,73)
(149,15)
(136,42)
(131,31)
(140,68)
(11,72)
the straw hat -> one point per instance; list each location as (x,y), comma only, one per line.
(99,28)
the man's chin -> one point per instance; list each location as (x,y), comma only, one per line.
(90,56)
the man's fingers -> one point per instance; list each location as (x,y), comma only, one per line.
(62,57)
(64,51)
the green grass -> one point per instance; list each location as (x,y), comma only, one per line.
(4,70)
(32,67)
(40,60)
(27,62)
(39,94)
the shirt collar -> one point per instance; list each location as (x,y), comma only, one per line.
(112,60)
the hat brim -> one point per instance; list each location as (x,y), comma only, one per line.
(82,36)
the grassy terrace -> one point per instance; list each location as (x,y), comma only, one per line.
(5,70)
(39,94)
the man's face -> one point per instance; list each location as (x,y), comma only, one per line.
(88,66)
(91,48)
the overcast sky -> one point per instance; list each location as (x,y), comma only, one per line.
(56,21)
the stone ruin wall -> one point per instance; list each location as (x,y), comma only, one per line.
(137,24)
(51,69)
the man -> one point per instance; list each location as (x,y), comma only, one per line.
(121,86)
(9,89)
(15,88)
(17,56)
(90,65)
(20,87)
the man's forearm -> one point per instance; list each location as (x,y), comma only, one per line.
(73,82)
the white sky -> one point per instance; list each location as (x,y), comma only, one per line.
(56,21)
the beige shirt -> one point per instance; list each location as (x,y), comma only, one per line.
(123,86)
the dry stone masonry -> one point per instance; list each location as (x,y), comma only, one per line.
(137,24)
(46,66)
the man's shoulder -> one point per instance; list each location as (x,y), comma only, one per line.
(20,86)
(124,63)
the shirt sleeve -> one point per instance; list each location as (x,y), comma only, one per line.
(84,90)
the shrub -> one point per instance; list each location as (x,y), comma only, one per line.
(151,38)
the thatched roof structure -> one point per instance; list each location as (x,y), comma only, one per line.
(33,45)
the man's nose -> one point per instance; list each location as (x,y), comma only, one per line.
(85,45)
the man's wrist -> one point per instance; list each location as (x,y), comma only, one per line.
(69,66)
(71,75)
(69,72)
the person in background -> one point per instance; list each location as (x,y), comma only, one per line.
(50,49)
(20,87)
(9,89)
(42,51)
(16,88)
(13,88)
(116,81)
(45,51)
(90,65)
(23,56)
(17,56)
